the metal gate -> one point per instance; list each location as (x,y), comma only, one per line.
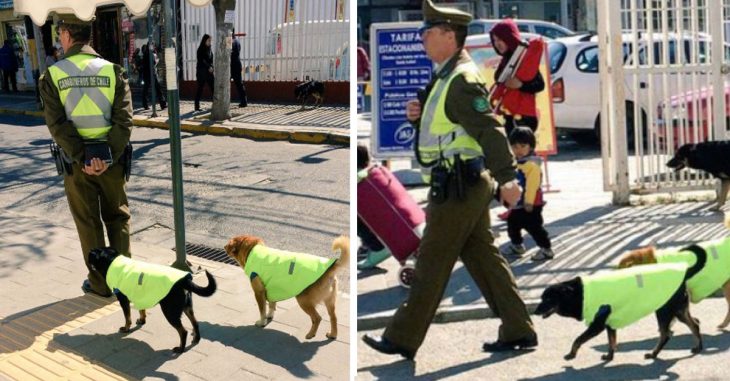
(664,84)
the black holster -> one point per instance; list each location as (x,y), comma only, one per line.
(126,161)
(439,184)
(459,177)
(63,163)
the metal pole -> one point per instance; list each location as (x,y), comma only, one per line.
(151,63)
(173,98)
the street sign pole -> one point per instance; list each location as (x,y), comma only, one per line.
(173,97)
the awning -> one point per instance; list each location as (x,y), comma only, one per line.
(38,10)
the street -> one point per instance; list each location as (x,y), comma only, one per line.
(294,196)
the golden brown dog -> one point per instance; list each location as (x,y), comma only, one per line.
(323,290)
(647,255)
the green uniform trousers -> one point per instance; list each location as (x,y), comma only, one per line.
(95,202)
(459,228)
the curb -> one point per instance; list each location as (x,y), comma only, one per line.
(443,315)
(306,137)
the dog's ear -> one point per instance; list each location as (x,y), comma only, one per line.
(239,247)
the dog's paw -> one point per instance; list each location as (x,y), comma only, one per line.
(178,350)
(262,323)
(649,356)
(607,357)
(124,329)
(196,339)
(141,321)
(569,356)
(697,349)
(331,336)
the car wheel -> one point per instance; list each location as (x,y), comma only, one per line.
(630,123)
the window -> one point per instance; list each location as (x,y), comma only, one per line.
(477,29)
(587,60)
(549,32)
(523,28)
(556,52)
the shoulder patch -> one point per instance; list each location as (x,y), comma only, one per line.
(480,104)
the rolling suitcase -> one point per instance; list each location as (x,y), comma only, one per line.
(387,209)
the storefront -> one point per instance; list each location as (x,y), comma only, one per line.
(17,30)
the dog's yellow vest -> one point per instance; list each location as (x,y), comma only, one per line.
(285,274)
(711,277)
(632,293)
(144,284)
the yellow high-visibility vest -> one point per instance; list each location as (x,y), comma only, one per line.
(86,86)
(712,276)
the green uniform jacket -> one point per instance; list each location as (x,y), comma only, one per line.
(713,275)
(285,274)
(144,284)
(63,131)
(467,104)
(631,293)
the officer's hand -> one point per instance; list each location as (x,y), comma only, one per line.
(413,110)
(528,208)
(96,168)
(510,195)
(513,83)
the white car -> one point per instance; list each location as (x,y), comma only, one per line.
(576,86)
(544,28)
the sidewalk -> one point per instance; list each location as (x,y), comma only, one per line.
(258,121)
(49,330)
(587,233)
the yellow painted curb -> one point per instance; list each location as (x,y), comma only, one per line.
(27,350)
(218,130)
(308,137)
(242,132)
(195,128)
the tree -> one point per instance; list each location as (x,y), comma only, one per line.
(222,61)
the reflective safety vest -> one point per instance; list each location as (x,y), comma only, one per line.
(285,274)
(712,276)
(632,293)
(86,86)
(438,136)
(144,284)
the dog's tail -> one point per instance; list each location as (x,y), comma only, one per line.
(342,243)
(701,255)
(203,291)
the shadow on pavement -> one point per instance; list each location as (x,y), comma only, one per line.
(20,330)
(269,345)
(658,370)
(406,369)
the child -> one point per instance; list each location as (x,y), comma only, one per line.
(528,212)
(505,39)
(372,249)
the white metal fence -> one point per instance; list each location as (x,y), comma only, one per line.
(663,84)
(310,42)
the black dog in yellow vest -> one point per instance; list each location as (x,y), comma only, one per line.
(614,299)
(146,285)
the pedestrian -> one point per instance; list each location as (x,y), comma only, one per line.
(204,68)
(527,214)
(52,57)
(371,251)
(88,108)
(9,66)
(505,37)
(363,65)
(458,132)
(150,75)
(236,69)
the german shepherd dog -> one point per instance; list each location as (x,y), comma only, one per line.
(177,300)
(566,298)
(311,88)
(711,157)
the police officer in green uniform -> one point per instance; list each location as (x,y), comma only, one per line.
(87,101)
(461,149)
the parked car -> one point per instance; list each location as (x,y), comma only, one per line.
(576,85)
(544,28)
(686,125)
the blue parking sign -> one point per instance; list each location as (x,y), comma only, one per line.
(400,68)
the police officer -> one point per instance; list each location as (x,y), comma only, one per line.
(461,149)
(87,100)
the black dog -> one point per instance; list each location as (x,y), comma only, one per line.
(310,88)
(177,300)
(567,299)
(711,157)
